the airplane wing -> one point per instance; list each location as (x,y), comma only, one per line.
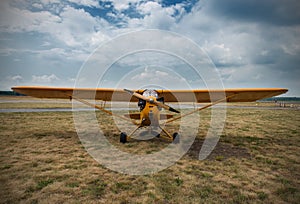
(199,96)
(206,96)
(103,94)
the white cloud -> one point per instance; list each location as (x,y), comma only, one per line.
(74,27)
(149,7)
(121,5)
(45,44)
(13,19)
(89,3)
(293,49)
(37,5)
(155,16)
(77,28)
(157,77)
(16,78)
(223,55)
(9,81)
(44,78)
(45,2)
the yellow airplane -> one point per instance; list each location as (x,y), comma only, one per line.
(151,101)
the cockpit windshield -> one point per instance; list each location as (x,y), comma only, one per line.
(150,92)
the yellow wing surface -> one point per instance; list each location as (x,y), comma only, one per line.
(199,96)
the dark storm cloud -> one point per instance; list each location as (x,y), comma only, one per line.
(251,42)
(275,12)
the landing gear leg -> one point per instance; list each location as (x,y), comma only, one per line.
(168,136)
(124,138)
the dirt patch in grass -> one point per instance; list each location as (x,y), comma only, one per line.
(221,151)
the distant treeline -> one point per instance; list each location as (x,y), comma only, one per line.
(282,99)
(10,93)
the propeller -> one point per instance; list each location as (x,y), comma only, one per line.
(151,100)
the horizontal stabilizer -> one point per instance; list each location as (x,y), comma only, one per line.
(134,116)
(137,116)
(165,116)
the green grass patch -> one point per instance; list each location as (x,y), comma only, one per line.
(121,186)
(262,196)
(288,193)
(43,183)
(203,191)
(95,188)
(74,184)
(5,166)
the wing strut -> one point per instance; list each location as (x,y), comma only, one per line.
(202,108)
(100,108)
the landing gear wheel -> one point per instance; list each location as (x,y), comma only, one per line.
(123,137)
(176,138)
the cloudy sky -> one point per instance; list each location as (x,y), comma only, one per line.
(252,43)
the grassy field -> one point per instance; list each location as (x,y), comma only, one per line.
(256,161)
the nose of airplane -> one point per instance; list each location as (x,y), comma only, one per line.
(151,100)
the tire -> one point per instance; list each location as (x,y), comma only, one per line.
(123,137)
(176,138)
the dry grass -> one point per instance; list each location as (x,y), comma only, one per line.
(256,161)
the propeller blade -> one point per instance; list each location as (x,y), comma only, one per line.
(150,100)
(166,106)
(129,91)
(137,95)
(173,110)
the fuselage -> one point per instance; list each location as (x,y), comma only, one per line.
(150,112)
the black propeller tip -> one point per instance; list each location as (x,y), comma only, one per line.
(129,91)
(173,110)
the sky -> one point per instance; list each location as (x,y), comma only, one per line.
(251,43)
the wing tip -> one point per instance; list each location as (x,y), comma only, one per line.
(285,90)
